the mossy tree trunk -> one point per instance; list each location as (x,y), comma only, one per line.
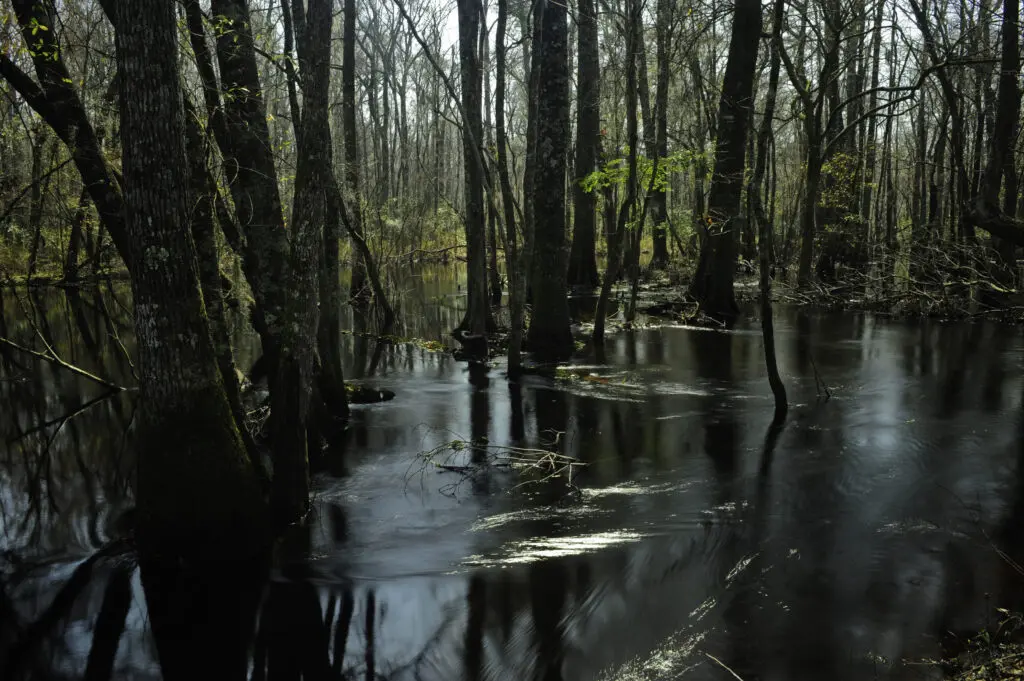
(202,199)
(195,487)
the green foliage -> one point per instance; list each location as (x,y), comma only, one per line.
(616,171)
(841,187)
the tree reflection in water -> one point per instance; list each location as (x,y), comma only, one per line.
(861,529)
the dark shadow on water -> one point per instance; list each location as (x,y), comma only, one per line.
(203,623)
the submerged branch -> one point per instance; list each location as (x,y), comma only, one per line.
(51,356)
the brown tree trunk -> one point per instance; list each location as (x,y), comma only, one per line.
(76,239)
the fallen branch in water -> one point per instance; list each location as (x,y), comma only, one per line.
(469,460)
(54,358)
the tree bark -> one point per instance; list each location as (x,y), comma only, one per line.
(358,288)
(252,176)
(202,198)
(659,196)
(713,284)
(549,338)
(516,260)
(477,319)
(291,394)
(763,221)
(616,229)
(583,260)
(189,443)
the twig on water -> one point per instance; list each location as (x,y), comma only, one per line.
(819,385)
(534,466)
(724,666)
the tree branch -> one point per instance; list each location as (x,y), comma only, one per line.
(52,357)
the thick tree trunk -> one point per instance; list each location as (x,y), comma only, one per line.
(195,489)
(583,260)
(549,338)
(713,285)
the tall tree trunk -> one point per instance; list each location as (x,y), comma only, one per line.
(1007,118)
(40,186)
(477,319)
(516,258)
(713,284)
(202,197)
(762,221)
(494,276)
(252,177)
(549,337)
(871,144)
(76,239)
(358,287)
(659,196)
(583,260)
(616,229)
(291,395)
(189,443)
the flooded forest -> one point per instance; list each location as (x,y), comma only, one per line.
(540,340)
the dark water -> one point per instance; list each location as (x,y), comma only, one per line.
(842,550)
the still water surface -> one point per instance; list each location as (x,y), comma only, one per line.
(843,548)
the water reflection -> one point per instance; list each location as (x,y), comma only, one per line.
(860,530)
